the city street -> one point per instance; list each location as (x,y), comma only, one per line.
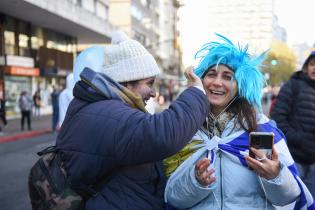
(16,158)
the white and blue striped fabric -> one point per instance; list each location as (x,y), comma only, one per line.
(236,146)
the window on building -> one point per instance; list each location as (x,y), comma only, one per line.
(140,37)
(136,13)
(37,37)
(144,2)
(88,5)
(23,45)
(60,42)
(71,47)
(102,10)
(23,35)
(36,42)
(51,44)
(149,4)
(9,37)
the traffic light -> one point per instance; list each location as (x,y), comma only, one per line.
(274,62)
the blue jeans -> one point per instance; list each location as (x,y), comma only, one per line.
(307,174)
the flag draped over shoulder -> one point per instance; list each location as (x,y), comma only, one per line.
(172,162)
(236,147)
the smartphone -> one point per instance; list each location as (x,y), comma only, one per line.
(263,141)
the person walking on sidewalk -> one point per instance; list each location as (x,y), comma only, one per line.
(55,107)
(2,115)
(294,112)
(25,104)
(108,133)
(37,101)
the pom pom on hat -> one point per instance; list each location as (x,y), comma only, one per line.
(127,60)
(118,37)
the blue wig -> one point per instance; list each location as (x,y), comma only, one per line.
(250,80)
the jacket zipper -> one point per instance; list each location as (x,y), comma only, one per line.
(221,185)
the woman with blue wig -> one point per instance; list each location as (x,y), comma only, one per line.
(215,171)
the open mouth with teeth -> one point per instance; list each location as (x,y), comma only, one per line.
(216,92)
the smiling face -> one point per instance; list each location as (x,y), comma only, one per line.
(311,69)
(143,87)
(220,87)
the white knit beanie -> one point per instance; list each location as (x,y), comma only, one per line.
(127,60)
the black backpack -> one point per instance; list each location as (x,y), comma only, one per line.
(49,188)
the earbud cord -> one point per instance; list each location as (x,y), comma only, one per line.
(212,132)
(217,117)
(262,186)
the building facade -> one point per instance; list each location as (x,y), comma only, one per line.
(39,40)
(154,24)
(169,44)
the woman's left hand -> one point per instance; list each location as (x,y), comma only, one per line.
(266,168)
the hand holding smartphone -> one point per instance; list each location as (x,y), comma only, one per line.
(262,141)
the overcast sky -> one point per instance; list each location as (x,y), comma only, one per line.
(296,16)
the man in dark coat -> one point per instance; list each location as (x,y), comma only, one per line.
(294,112)
(108,135)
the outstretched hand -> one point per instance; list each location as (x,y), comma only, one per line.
(203,175)
(264,167)
(193,79)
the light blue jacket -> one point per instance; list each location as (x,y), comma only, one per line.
(236,187)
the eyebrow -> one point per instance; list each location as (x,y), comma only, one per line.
(227,72)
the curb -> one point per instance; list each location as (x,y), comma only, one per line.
(21,136)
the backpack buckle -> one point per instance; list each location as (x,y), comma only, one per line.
(48,150)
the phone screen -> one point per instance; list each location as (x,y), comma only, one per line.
(263,141)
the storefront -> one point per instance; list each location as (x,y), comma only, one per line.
(17,79)
(32,58)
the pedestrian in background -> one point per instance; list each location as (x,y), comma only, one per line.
(55,107)
(65,98)
(37,101)
(219,174)
(25,105)
(272,103)
(108,135)
(2,114)
(294,112)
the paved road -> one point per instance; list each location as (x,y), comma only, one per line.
(16,158)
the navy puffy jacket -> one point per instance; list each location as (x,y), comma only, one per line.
(294,112)
(102,136)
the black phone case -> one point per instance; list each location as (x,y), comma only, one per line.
(262,141)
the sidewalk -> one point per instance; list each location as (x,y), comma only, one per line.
(12,131)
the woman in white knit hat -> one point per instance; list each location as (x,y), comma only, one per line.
(111,147)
